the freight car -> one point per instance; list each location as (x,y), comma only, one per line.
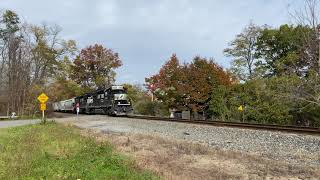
(64,106)
(112,101)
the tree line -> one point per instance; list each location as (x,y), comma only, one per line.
(35,59)
(274,75)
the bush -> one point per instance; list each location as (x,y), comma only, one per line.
(142,103)
(147,107)
(260,104)
(218,105)
(285,100)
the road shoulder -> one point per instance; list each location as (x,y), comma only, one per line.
(14,123)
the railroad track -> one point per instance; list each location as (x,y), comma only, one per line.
(292,129)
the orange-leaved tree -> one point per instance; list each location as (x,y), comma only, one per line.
(200,78)
(166,84)
(94,67)
(187,86)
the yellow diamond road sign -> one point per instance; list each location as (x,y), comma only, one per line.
(43,98)
(240,108)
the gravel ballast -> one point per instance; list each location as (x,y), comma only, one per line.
(285,147)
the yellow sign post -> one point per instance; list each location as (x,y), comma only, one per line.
(43,98)
(241,109)
(43,106)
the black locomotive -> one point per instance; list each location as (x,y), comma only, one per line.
(112,101)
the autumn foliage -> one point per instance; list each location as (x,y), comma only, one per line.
(94,66)
(187,86)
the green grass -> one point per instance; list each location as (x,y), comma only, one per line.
(53,151)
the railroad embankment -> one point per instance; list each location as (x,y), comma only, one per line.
(189,151)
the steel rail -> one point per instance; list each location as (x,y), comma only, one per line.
(270,127)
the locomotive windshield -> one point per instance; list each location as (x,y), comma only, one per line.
(118,91)
(121,99)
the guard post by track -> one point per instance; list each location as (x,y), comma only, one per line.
(77,110)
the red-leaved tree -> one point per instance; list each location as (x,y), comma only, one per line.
(187,86)
(94,67)
(166,84)
(200,78)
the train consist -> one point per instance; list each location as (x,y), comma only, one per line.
(111,101)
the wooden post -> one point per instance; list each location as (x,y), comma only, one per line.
(152,97)
(43,119)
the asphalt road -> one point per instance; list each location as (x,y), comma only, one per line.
(13,123)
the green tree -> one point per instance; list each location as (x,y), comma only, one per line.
(47,51)
(259,101)
(261,104)
(301,94)
(243,50)
(142,103)
(151,108)
(281,49)
(218,104)
(9,23)
(63,89)
(135,92)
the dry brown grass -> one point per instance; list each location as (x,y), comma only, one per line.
(175,159)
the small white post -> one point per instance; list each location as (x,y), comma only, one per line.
(78,110)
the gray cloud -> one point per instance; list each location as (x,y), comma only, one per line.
(146,33)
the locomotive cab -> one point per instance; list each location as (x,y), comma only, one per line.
(121,104)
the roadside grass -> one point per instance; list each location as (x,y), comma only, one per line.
(54,151)
(179,159)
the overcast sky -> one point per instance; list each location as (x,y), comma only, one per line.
(146,32)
